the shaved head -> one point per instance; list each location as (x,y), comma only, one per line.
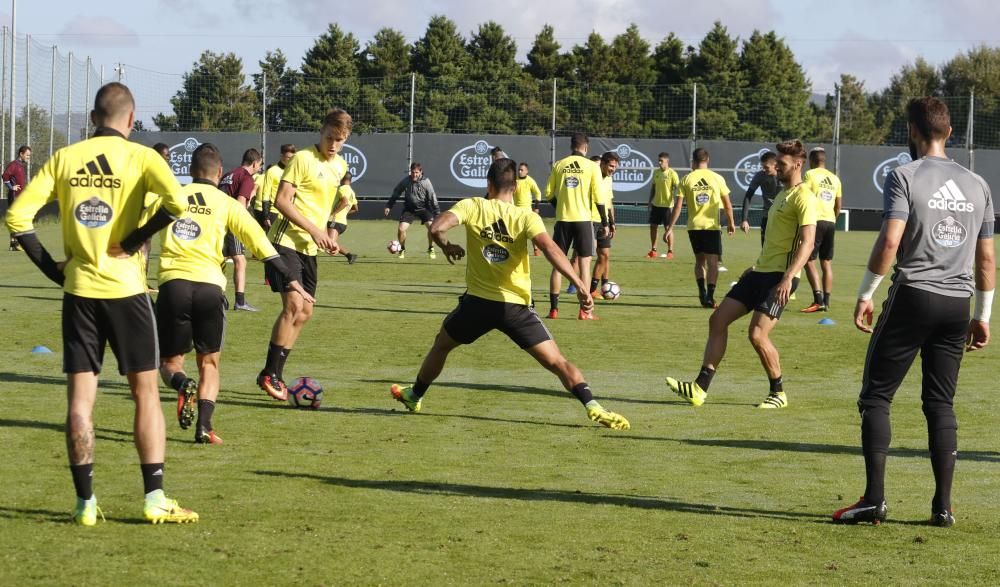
(113,103)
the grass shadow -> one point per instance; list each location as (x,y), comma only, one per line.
(35,514)
(401,413)
(52,380)
(392,310)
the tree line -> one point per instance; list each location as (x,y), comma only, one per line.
(749,89)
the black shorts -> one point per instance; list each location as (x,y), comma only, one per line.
(408,216)
(231,246)
(659,215)
(301,267)
(578,235)
(190,314)
(339,227)
(127,324)
(476,316)
(706,242)
(824,240)
(755,290)
(602,243)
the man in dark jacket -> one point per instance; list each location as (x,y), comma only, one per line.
(15,177)
(419,202)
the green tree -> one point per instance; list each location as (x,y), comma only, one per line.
(776,103)
(214,96)
(545,62)
(977,70)
(329,80)
(492,54)
(917,79)
(670,60)
(632,62)
(593,61)
(281,83)
(386,55)
(441,51)
(722,84)
(857,116)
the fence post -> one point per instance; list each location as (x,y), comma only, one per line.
(970,143)
(836,135)
(27,95)
(69,100)
(694,116)
(552,154)
(13,69)
(263,116)
(409,137)
(52,104)
(3,104)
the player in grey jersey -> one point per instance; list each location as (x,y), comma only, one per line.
(767,180)
(938,224)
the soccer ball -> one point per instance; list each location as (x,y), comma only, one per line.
(305,393)
(394,247)
(610,291)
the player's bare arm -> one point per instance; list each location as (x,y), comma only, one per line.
(730,223)
(879,263)
(283,202)
(441,225)
(979,326)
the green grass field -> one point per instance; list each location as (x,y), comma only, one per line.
(501,479)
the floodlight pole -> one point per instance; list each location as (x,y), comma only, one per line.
(52,103)
(69,100)
(27,95)
(86,93)
(409,142)
(13,68)
(3,103)
(263,116)
(836,136)
(970,143)
(552,153)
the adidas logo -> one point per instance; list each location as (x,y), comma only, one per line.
(826,182)
(95,174)
(573,167)
(950,197)
(702,184)
(497,232)
(197,204)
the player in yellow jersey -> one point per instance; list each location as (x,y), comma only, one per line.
(345,203)
(574,190)
(662,195)
(764,289)
(304,202)
(498,279)
(527,195)
(99,185)
(608,163)
(264,210)
(826,185)
(703,192)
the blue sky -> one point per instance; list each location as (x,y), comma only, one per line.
(870,39)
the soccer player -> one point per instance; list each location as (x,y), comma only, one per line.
(15,177)
(240,186)
(419,202)
(574,190)
(305,203)
(608,163)
(703,191)
(938,229)
(190,310)
(826,186)
(662,194)
(764,288)
(497,153)
(345,203)
(264,204)
(766,180)
(499,290)
(163,150)
(526,194)
(100,184)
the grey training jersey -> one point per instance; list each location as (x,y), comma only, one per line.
(947,208)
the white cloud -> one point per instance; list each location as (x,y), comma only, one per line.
(98,31)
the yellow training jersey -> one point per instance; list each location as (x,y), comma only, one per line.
(497,236)
(703,190)
(826,185)
(316,181)
(269,188)
(191,247)
(791,209)
(665,184)
(606,192)
(101,185)
(258,192)
(574,184)
(526,192)
(345,191)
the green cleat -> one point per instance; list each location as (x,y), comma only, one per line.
(404,395)
(86,512)
(159,510)
(773,401)
(688,390)
(606,418)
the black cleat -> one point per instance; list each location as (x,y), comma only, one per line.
(943,519)
(351,258)
(862,511)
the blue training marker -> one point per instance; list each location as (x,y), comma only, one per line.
(826,322)
(41,349)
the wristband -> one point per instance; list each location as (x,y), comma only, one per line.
(984,305)
(869,283)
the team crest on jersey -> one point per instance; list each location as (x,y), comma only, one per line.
(186,229)
(949,233)
(93,213)
(572,181)
(494,253)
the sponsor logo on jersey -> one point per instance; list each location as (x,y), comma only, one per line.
(949,233)
(635,170)
(883,169)
(95,174)
(702,197)
(949,197)
(93,213)
(572,182)
(497,232)
(186,229)
(470,164)
(494,253)
(180,159)
(747,167)
(357,162)
(197,204)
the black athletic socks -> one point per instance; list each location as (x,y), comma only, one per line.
(177,380)
(776,384)
(701,289)
(276,357)
(943,463)
(419,388)
(818,299)
(205,410)
(241,298)
(83,480)
(593,284)
(826,299)
(704,378)
(604,280)
(152,477)
(581,391)
(710,292)
(553,301)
